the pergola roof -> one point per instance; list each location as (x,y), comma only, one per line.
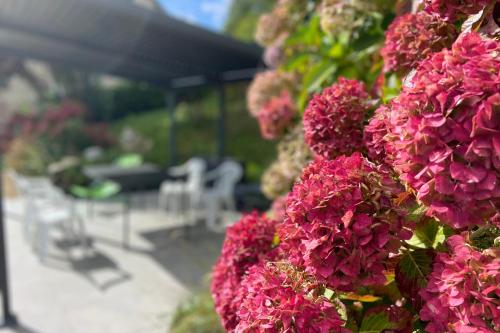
(119,38)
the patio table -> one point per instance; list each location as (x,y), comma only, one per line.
(131,179)
(144,177)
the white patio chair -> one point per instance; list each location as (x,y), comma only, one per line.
(47,208)
(178,197)
(221,196)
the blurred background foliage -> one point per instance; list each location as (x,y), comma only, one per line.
(243,17)
(123,105)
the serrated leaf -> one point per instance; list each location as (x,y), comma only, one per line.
(360,298)
(428,234)
(375,323)
(412,271)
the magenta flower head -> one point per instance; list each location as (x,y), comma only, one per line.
(333,121)
(463,290)
(445,128)
(278,208)
(374,136)
(247,242)
(412,37)
(343,218)
(275,302)
(265,86)
(276,116)
(452,10)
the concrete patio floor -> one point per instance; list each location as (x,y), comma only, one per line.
(109,289)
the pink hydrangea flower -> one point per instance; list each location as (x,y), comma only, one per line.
(276,116)
(463,290)
(272,25)
(278,208)
(265,86)
(452,10)
(412,37)
(374,136)
(247,243)
(274,54)
(333,121)
(445,129)
(343,222)
(274,302)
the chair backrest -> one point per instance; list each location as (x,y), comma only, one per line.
(195,168)
(230,173)
(36,187)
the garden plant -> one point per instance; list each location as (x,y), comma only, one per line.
(386,185)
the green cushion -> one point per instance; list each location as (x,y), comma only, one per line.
(129,160)
(100,191)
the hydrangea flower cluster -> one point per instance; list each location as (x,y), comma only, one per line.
(412,37)
(339,16)
(293,153)
(271,26)
(374,136)
(276,116)
(274,54)
(280,21)
(275,182)
(462,294)
(248,242)
(452,10)
(265,86)
(275,302)
(348,224)
(333,120)
(444,127)
(293,156)
(278,208)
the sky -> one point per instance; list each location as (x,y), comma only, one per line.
(210,14)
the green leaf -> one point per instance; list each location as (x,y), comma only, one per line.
(392,87)
(337,51)
(428,234)
(306,35)
(417,213)
(375,323)
(297,62)
(318,74)
(328,293)
(412,271)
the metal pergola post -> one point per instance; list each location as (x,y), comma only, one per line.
(9,319)
(221,122)
(170,103)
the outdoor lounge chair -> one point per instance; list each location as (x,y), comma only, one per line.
(179,197)
(221,196)
(47,208)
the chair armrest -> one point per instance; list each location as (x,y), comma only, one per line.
(177,171)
